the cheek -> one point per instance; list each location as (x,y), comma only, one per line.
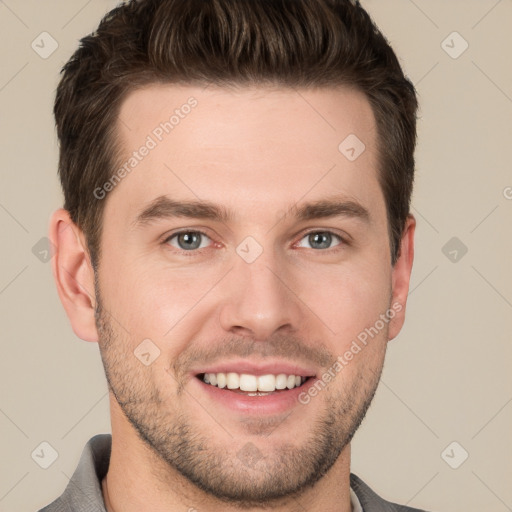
(347,299)
(157,301)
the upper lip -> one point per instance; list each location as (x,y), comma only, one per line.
(274,367)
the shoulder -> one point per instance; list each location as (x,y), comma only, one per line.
(83,492)
(372,502)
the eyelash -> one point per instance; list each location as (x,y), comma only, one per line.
(197,252)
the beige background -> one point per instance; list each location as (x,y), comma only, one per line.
(448,375)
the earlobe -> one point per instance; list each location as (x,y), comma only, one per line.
(73,274)
(401,276)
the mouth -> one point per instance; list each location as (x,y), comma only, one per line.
(254,385)
(257,394)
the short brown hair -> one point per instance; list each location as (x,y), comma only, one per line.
(295,43)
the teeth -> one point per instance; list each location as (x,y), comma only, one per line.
(266,383)
(221,380)
(249,382)
(281,380)
(255,385)
(232,380)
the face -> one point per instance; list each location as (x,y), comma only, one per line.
(244,244)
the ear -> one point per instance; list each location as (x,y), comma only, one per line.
(73,274)
(401,276)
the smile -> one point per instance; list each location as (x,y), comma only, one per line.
(254,385)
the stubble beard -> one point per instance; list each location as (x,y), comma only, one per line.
(258,478)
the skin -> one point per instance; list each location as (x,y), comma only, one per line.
(259,152)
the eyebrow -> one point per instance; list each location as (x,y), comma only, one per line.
(332,208)
(164,207)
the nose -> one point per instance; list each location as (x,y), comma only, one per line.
(259,299)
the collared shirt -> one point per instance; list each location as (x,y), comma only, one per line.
(83,492)
(354,501)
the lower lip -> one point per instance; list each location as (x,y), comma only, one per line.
(273,403)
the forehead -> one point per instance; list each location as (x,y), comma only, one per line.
(250,147)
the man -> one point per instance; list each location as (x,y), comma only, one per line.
(236,237)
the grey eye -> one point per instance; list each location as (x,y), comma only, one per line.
(189,240)
(320,240)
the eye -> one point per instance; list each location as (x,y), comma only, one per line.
(320,240)
(188,240)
